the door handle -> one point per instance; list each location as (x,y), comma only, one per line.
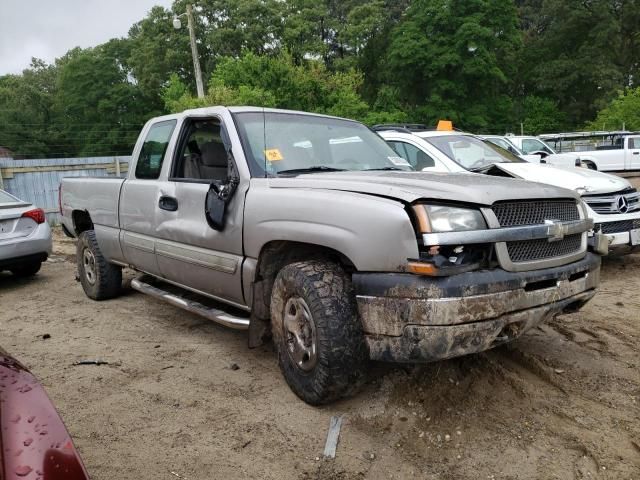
(168,203)
(636,153)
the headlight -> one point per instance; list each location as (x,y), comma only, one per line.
(442,218)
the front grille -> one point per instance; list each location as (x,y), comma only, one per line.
(612,202)
(617,227)
(535,212)
(541,249)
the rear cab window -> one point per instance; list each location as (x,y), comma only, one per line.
(154,149)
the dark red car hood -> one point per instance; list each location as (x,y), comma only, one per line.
(35,444)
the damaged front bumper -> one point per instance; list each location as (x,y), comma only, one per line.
(409,318)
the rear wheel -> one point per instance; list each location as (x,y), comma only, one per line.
(100,279)
(317,333)
(27,270)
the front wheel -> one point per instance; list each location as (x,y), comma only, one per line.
(317,333)
(100,279)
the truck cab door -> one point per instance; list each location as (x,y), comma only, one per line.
(189,252)
(139,199)
(632,153)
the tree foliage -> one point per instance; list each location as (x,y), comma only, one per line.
(489,65)
(623,111)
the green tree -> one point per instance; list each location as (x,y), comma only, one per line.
(454,59)
(578,53)
(279,82)
(27,116)
(540,115)
(101,109)
(624,110)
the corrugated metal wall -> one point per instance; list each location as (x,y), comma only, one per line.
(37,181)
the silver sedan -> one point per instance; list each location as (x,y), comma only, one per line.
(25,236)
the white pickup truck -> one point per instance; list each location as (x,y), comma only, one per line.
(623,155)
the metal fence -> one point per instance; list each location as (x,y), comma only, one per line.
(37,181)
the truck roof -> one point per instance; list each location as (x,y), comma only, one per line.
(212,110)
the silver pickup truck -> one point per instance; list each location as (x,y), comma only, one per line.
(310,229)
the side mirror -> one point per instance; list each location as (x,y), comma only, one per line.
(215,203)
(214,209)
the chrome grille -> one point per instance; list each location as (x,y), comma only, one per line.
(612,203)
(541,249)
(535,212)
(617,227)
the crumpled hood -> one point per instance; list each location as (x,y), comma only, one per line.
(574,178)
(411,186)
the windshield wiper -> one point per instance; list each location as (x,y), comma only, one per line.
(317,168)
(385,168)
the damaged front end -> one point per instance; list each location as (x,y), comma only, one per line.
(481,280)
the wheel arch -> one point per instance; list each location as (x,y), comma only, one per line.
(81,221)
(275,255)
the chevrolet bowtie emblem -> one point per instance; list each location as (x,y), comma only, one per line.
(556,230)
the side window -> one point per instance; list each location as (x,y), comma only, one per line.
(412,154)
(529,146)
(398,147)
(155,146)
(202,154)
(634,143)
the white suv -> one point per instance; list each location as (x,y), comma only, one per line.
(613,203)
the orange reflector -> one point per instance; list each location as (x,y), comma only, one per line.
(445,126)
(422,268)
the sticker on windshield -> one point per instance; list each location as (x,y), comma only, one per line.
(273,155)
(399,161)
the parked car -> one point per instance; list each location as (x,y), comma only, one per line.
(313,228)
(25,236)
(620,152)
(503,142)
(35,443)
(612,203)
(534,146)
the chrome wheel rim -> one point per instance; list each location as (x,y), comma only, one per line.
(300,334)
(89,266)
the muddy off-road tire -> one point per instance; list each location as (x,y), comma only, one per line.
(27,270)
(100,279)
(317,332)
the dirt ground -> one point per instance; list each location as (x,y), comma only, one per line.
(563,402)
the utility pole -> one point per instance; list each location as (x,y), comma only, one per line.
(194,47)
(194,53)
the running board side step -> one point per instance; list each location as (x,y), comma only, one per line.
(219,316)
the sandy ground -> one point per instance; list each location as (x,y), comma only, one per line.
(563,402)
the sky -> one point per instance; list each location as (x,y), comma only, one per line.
(48,28)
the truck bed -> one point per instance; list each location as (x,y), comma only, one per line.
(96,195)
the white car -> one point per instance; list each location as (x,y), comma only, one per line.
(534,146)
(25,236)
(612,202)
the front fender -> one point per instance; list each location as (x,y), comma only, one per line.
(374,233)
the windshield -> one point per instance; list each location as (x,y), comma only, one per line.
(6,198)
(298,143)
(507,145)
(533,145)
(471,152)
